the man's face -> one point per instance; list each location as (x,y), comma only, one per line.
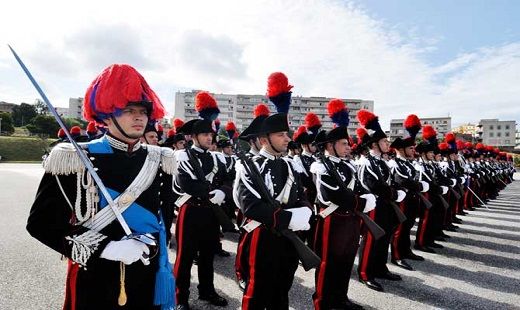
(430,155)
(132,120)
(438,157)
(384,145)
(228,150)
(180,145)
(312,148)
(204,140)
(453,157)
(342,148)
(255,144)
(279,142)
(150,138)
(409,152)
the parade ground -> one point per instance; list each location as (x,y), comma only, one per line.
(479,268)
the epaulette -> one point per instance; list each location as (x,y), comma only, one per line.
(63,160)
(295,166)
(220,156)
(318,167)
(363,161)
(392,164)
(181,156)
(168,162)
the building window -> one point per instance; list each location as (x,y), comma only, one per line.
(499,134)
(490,127)
(507,127)
(506,142)
(491,135)
(507,134)
(499,127)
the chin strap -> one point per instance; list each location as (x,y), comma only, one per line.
(121,129)
(271,144)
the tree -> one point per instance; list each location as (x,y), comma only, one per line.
(23,114)
(6,123)
(46,125)
(41,107)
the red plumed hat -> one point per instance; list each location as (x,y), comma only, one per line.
(231,129)
(61,133)
(170,133)
(460,145)
(160,129)
(444,146)
(277,83)
(75,130)
(338,112)
(114,88)
(429,132)
(490,148)
(261,110)
(299,132)
(206,105)
(449,138)
(480,147)
(177,123)
(312,122)
(469,145)
(412,124)
(91,127)
(370,121)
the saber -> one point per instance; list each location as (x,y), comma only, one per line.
(88,164)
(482,202)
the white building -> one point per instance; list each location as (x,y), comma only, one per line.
(501,134)
(441,124)
(75,108)
(239,108)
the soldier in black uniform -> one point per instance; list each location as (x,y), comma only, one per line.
(338,228)
(250,134)
(268,259)
(374,175)
(71,216)
(406,177)
(197,228)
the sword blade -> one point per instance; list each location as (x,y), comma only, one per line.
(82,156)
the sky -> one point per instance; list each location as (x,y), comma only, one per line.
(431,58)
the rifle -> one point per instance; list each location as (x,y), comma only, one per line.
(376,231)
(308,258)
(221,216)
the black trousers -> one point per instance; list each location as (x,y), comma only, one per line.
(373,254)
(401,244)
(336,242)
(197,232)
(270,264)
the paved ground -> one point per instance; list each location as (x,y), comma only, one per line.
(478,269)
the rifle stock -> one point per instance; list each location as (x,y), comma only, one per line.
(308,258)
(376,231)
(400,215)
(427,204)
(222,218)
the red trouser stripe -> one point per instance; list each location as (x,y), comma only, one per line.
(252,272)
(238,259)
(367,250)
(180,239)
(323,265)
(397,235)
(70,289)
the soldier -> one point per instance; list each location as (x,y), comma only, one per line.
(338,229)
(406,177)
(430,220)
(250,134)
(268,258)
(70,215)
(374,175)
(198,183)
(151,135)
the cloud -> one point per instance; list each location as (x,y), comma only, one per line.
(327,48)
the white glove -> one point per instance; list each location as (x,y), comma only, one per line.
(370,203)
(300,219)
(218,197)
(462,180)
(127,251)
(453,182)
(444,189)
(425,186)
(400,195)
